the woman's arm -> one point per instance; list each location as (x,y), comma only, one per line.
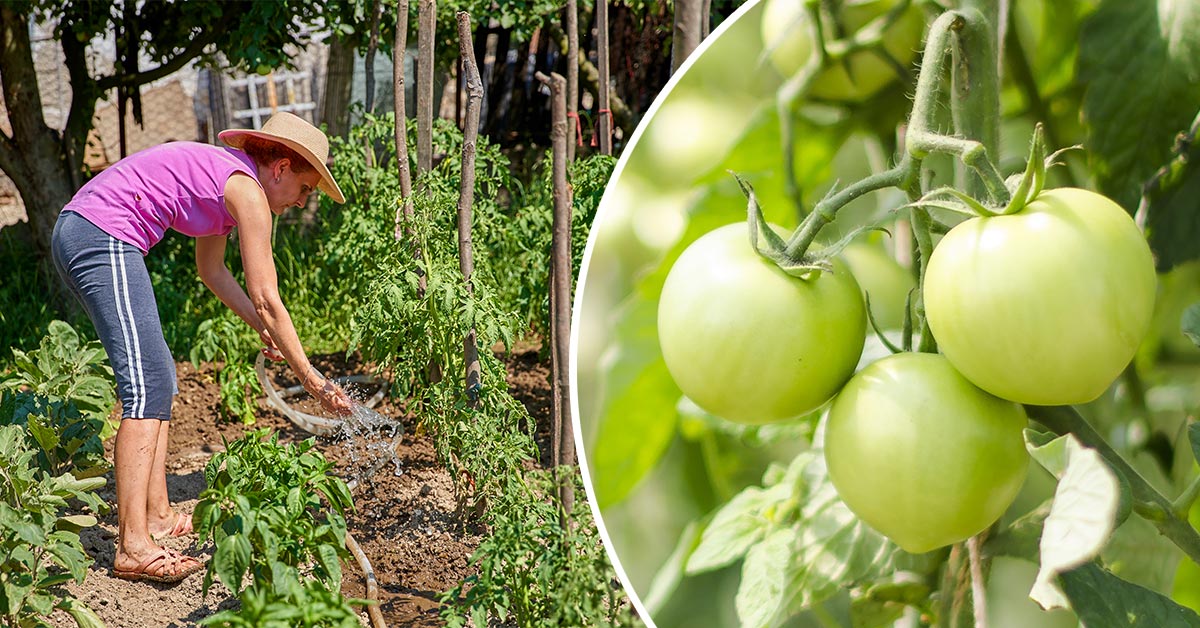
(210,265)
(248,205)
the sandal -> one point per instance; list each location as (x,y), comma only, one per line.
(165,565)
(182,527)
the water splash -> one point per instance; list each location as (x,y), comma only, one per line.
(370,440)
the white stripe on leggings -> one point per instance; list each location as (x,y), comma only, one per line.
(140,404)
(112,263)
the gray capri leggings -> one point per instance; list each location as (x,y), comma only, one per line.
(110,278)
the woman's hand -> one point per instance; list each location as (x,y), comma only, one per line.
(332,397)
(270,350)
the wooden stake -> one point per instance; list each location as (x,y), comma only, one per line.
(466,195)
(426,31)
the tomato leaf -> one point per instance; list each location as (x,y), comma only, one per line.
(739,524)
(1081,517)
(833,546)
(1141,65)
(1102,599)
(1191,326)
(1173,211)
(764,583)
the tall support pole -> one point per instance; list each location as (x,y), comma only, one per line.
(466,195)
(426,31)
(606,120)
(572,75)
(404,213)
(562,436)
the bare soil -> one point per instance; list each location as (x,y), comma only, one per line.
(405,517)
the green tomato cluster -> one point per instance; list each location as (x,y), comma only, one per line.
(1044,306)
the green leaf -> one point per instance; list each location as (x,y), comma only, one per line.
(1173,206)
(1101,599)
(1140,62)
(737,526)
(84,617)
(1191,323)
(231,560)
(1081,517)
(762,593)
(639,421)
(834,548)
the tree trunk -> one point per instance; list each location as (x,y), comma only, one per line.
(466,195)
(562,442)
(426,31)
(34,155)
(339,78)
(572,104)
(602,53)
(686,33)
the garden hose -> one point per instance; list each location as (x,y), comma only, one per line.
(311,423)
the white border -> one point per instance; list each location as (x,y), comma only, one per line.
(577,308)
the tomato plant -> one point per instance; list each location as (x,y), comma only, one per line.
(921,454)
(750,343)
(1045,306)
(787,32)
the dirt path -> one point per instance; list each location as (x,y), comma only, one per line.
(406,522)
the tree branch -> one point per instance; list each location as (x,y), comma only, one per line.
(194,49)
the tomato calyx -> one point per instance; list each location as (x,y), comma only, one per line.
(1023,188)
(769,244)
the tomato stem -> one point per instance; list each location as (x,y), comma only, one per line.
(921,139)
(921,233)
(827,208)
(825,53)
(978,592)
(1066,419)
(975,90)
(1183,503)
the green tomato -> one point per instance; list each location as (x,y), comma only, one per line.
(788,37)
(921,454)
(885,281)
(1045,306)
(750,343)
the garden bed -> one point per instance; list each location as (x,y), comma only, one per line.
(408,524)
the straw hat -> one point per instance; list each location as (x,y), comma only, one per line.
(298,135)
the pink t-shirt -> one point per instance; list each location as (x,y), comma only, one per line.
(177,185)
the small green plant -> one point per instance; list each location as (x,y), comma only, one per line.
(289,604)
(261,508)
(39,546)
(62,392)
(228,340)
